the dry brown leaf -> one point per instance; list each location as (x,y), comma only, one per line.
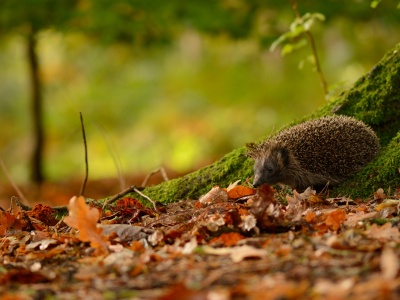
(227,239)
(389,263)
(262,200)
(240,191)
(310,216)
(384,232)
(379,194)
(9,223)
(352,220)
(335,219)
(237,253)
(126,232)
(84,218)
(215,195)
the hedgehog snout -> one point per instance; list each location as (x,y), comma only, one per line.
(258,180)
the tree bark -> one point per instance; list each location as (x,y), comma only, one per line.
(37,175)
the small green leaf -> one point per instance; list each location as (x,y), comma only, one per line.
(277,42)
(375,3)
(288,48)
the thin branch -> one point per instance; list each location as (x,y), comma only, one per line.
(132,188)
(86,157)
(163,174)
(14,185)
(20,204)
(119,195)
(311,40)
(147,197)
(317,64)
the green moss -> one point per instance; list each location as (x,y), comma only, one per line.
(382,172)
(374,99)
(233,166)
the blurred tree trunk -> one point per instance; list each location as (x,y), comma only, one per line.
(37,111)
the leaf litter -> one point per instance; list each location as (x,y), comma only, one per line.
(232,243)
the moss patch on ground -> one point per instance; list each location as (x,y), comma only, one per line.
(374,99)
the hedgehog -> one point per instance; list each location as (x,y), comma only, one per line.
(317,153)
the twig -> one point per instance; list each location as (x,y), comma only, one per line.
(86,157)
(311,40)
(163,174)
(132,188)
(147,197)
(14,185)
(18,203)
(119,195)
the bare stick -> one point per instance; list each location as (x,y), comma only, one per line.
(134,188)
(86,157)
(14,185)
(161,170)
(147,197)
(18,203)
(119,195)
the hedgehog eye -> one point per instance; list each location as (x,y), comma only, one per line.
(269,169)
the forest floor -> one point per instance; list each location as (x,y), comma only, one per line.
(233,243)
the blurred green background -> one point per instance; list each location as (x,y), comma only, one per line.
(170,83)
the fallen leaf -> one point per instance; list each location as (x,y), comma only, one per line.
(126,232)
(389,263)
(43,244)
(215,195)
(335,219)
(180,291)
(232,185)
(262,200)
(245,251)
(156,237)
(44,214)
(310,216)
(379,194)
(9,223)
(84,218)
(227,239)
(240,191)
(388,203)
(237,254)
(248,222)
(359,216)
(384,232)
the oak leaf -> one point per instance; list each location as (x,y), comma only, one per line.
(335,219)
(9,223)
(84,218)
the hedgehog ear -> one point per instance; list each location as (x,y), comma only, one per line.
(283,153)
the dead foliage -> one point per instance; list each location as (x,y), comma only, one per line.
(232,243)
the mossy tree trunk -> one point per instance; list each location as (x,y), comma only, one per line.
(374,99)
